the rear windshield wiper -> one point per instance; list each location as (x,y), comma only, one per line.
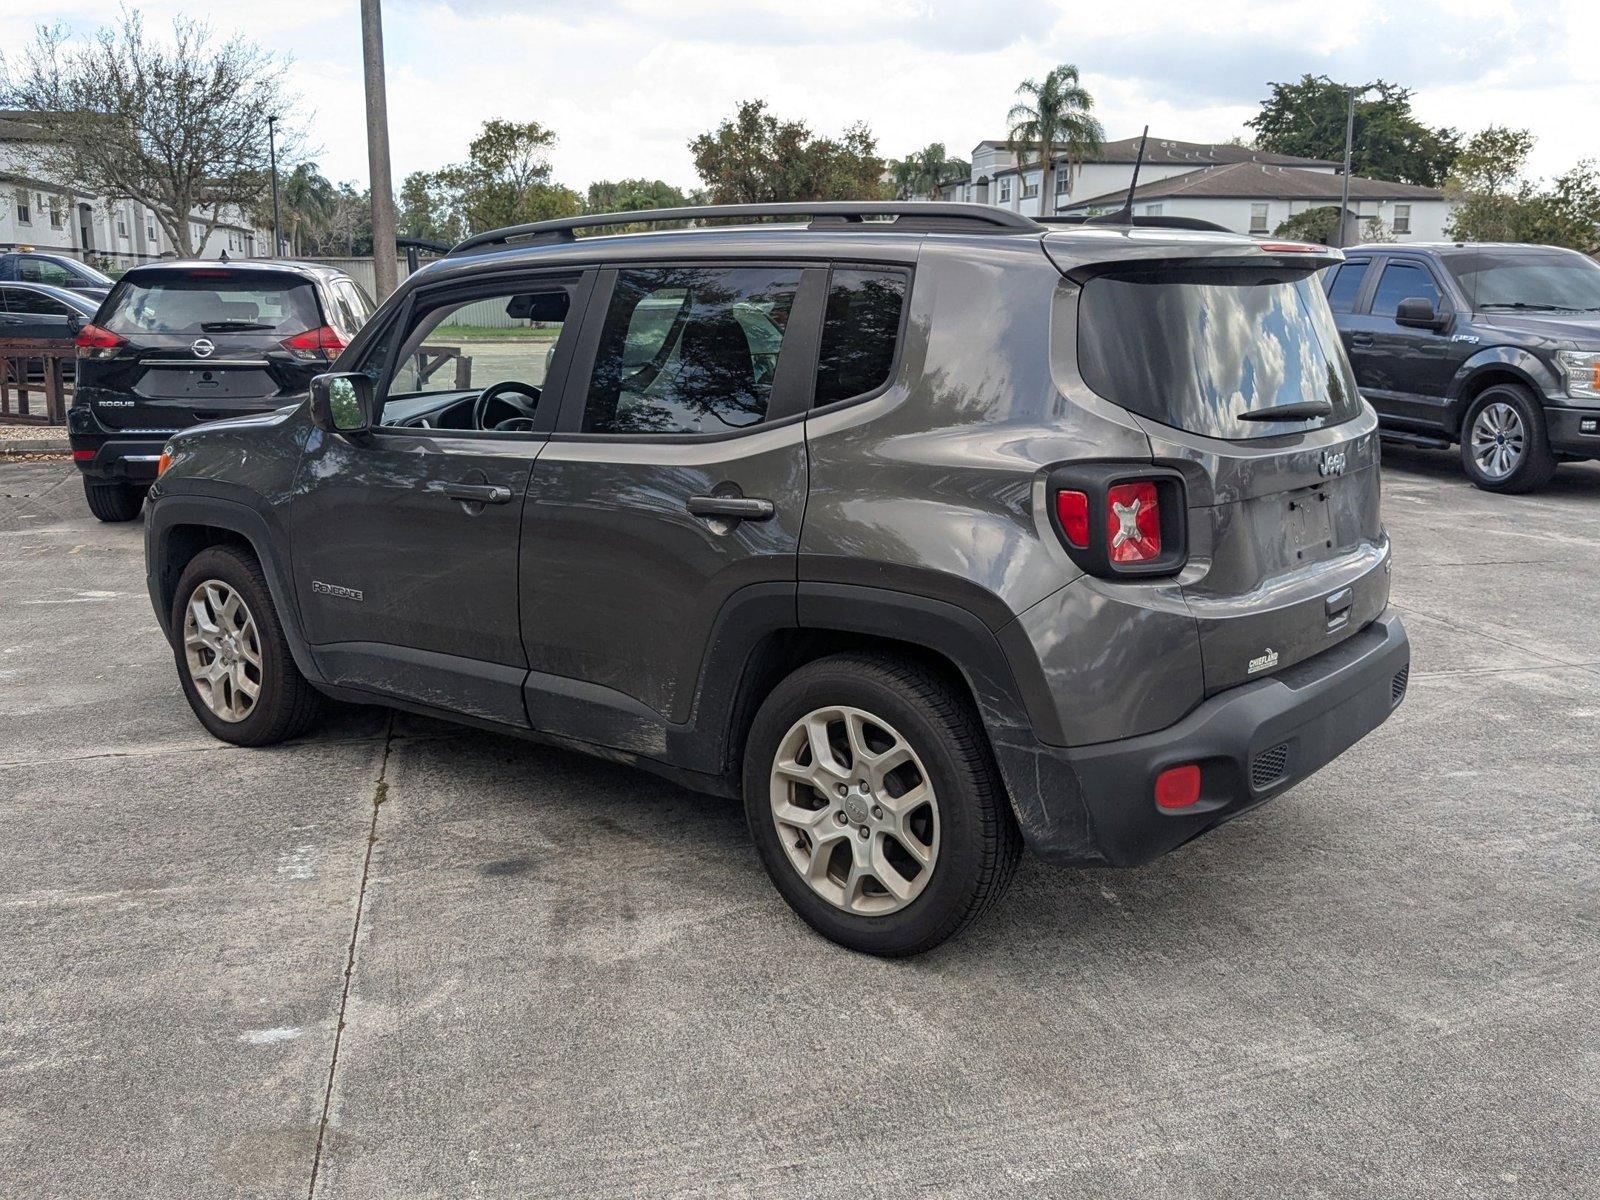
(232,326)
(1304,410)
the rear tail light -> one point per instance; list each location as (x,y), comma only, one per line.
(322,343)
(1121,519)
(94,342)
(1178,787)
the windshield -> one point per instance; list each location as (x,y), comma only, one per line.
(1550,281)
(1216,351)
(220,302)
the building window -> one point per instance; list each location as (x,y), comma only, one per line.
(1005,190)
(197,234)
(1030,190)
(122,223)
(1258,218)
(1402,218)
(1152,210)
(150,228)
(24,208)
(58,213)
(1064,184)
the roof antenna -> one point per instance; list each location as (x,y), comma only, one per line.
(1124,215)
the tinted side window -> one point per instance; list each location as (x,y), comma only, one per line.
(1345,286)
(42,270)
(1403,281)
(859,332)
(20,300)
(689,349)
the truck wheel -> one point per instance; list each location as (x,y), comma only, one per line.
(875,804)
(1504,446)
(233,660)
(114,501)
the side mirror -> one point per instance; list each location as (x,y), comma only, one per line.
(342,403)
(1416,312)
(75,323)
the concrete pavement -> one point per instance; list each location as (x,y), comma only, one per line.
(558,977)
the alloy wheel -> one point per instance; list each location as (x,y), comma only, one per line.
(855,810)
(223,650)
(1499,440)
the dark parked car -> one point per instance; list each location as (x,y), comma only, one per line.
(177,344)
(33,310)
(1494,347)
(55,270)
(930,537)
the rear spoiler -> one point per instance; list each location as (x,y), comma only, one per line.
(1149,222)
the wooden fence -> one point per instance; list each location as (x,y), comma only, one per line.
(32,372)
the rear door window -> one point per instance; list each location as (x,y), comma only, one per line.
(22,300)
(212,302)
(42,270)
(1197,348)
(860,331)
(1404,281)
(1344,286)
(689,350)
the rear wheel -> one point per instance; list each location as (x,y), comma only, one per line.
(1504,445)
(875,804)
(233,660)
(114,501)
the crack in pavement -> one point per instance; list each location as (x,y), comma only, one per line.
(379,794)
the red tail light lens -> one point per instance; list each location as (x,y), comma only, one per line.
(1133,522)
(1178,787)
(322,342)
(83,455)
(95,342)
(1072,508)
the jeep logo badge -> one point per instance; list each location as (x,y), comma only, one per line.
(1331,463)
(203,347)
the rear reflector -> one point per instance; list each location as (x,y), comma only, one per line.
(1178,787)
(1072,508)
(83,455)
(1133,522)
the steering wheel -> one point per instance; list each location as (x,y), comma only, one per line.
(508,393)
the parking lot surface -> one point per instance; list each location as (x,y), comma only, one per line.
(398,958)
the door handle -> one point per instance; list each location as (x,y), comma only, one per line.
(1361,339)
(477,493)
(732,508)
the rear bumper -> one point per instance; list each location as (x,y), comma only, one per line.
(1251,742)
(1573,430)
(120,459)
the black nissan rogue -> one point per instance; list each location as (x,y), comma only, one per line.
(178,344)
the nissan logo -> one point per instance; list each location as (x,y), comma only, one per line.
(203,347)
(1331,463)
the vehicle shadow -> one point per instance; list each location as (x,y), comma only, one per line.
(1444,466)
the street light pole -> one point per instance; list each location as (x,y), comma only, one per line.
(1349,137)
(384,273)
(272,155)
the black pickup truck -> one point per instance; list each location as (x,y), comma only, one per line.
(1495,347)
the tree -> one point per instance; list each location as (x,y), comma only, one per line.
(926,172)
(1320,225)
(627,195)
(1053,115)
(306,201)
(1495,202)
(506,178)
(180,127)
(428,210)
(348,227)
(754,158)
(1308,119)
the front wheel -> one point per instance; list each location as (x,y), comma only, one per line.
(233,659)
(114,501)
(875,804)
(1504,444)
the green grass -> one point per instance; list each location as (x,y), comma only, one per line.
(446,334)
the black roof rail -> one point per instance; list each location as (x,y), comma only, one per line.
(1142,222)
(914,216)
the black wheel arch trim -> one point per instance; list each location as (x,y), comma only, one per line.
(170,512)
(1528,368)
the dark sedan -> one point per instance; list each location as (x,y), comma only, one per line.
(38,311)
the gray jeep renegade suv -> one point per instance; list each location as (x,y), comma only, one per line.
(930,530)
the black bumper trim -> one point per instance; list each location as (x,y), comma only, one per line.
(1308,714)
(1565,427)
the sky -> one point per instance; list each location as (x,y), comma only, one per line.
(625,84)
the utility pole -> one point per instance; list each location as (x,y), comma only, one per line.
(272,154)
(383,222)
(1349,137)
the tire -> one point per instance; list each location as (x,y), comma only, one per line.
(1504,444)
(902,713)
(285,705)
(114,501)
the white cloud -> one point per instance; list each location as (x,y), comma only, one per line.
(627,83)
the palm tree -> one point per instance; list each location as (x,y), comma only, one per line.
(307,201)
(1053,115)
(904,174)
